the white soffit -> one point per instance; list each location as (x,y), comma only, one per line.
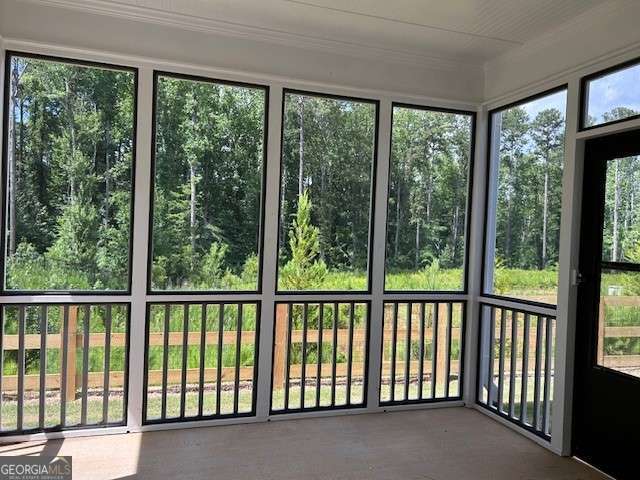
(429,32)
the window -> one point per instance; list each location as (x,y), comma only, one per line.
(328,153)
(427,204)
(524,199)
(611,96)
(208,168)
(69,162)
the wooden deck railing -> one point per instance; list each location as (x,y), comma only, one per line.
(95,380)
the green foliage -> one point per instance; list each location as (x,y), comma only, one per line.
(304,271)
(72,154)
(212,267)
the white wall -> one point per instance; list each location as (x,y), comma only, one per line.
(27,20)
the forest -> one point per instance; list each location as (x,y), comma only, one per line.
(70,159)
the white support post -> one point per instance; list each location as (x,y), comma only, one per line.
(140,244)
(567,290)
(270,251)
(378,254)
(475,223)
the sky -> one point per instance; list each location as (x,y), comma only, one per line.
(556,100)
(618,89)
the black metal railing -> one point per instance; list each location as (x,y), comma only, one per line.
(201,360)
(516,366)
(320,355)
(63,366)
(422,351)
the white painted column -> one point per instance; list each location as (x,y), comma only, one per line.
(475,223)
(270,252)
(567,289)
(140,243)
(378,256)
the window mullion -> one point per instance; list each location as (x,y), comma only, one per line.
(270,250)
(378,230)
(140,247)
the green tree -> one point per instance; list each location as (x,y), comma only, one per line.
(304,271)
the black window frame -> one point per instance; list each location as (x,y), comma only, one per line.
(205,79)
(469,202)
(372,194)
(9,54)
(483,290)
(584,94)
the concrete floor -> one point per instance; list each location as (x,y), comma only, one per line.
(437,444)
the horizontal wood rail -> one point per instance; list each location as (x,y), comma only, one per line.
(616,361)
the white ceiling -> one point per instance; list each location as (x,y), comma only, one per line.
(472,31)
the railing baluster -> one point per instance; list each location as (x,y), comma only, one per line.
(407,359)
(107,365)
(63,371)
(203,340)
(334,353)
(548,352)
(287,377)
(492,313)
(434,350)
(448,356)
(503,329)
(512,364)
(394,339)
(43,365)
(524,401)
(536,381)
(350,355)
(165,359)
(236,385)
(185,359)
(303,372)
(21,355)
(421,353)
(219,357)
(85,363)
(319,355)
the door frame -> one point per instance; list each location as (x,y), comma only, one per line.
(597,152)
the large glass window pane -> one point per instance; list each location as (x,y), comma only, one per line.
(428,189)
(70,144)
(612,97)
(209,151)
(328,155)
(621,235)
(525,195)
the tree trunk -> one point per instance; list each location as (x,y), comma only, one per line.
(417,256)
(396,239)
(545,215)
(192,207)
(507,240)
(107,176)
(12,159)
(616,205)
(455,226)
(301,146)
(72,137)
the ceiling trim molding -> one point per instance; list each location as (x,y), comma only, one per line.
(576,26)
(260,34)
(606,60)
(234,75)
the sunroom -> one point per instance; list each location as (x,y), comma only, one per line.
(320,239)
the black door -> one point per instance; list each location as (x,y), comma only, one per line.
(606,424)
